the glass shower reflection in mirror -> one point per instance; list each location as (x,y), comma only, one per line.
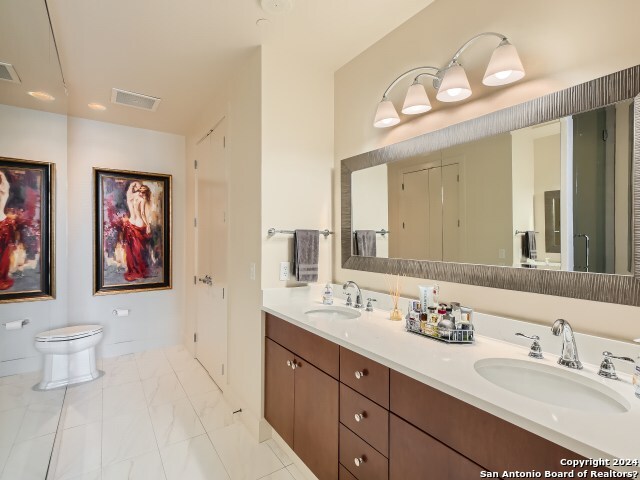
(553,196)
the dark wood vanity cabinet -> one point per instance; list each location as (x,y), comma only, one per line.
(278,389)
(301,400)
(414,455)
(349,417)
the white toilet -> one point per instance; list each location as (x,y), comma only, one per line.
(69,355)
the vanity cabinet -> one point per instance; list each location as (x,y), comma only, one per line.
(348,417)
(301,399)
(414,455)
(479,436)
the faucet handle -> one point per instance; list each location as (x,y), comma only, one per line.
(349,301)
(607,368)
(536,350)
(370,305)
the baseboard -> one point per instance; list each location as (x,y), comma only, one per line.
(302,468)
(133,346)
(21,365)
(257,426)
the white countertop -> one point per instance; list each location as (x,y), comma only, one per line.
(450,368)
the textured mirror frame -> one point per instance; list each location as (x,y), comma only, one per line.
(599,287)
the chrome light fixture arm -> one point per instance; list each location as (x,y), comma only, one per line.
(451,81)
(409,72)
(472,40)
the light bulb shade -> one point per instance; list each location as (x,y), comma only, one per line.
(504,67)
(416,100)
(454,86)
(386,115)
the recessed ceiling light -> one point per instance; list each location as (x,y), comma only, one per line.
(97,106)
(44,96)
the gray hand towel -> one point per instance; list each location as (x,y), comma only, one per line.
(305,255)
(365,243)
(529,249)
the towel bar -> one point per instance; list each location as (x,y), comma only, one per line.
(382,232)
(272,231)
(522,232)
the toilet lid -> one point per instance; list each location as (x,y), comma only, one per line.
(69,333)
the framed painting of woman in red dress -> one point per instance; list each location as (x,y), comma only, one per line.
(132,231)
(26,230)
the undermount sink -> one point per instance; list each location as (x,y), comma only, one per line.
(551,385)
(332,312)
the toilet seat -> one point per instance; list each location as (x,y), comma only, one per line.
(66,334)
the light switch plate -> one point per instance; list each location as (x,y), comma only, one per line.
(252,271)
(284,270)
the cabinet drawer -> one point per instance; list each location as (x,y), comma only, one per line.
(345,474)
(365,376)
(373,465)
(316,350)
(484,438)
(373,426)
(414,455)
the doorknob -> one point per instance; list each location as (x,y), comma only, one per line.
(207,280)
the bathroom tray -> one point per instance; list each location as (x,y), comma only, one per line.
(447,335)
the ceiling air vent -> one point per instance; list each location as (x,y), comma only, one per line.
(8,73)
(135,100)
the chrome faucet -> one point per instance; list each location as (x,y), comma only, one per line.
(569,356)
(351,283)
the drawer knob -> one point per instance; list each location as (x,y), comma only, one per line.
(359,374)
(292,364)
(359,417)
(288,363)
(359,461)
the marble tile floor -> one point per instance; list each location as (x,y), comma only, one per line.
(155,415)
(28,422)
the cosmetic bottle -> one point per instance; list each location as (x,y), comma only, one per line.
(327,295)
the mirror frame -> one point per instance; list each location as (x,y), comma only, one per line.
(610,288)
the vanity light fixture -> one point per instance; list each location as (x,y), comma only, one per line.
(43,96)
(451,81)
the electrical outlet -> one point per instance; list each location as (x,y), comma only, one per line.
(284,270)
(502,253)
(252,271)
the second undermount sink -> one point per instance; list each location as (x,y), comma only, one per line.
(333,312)
(551,385)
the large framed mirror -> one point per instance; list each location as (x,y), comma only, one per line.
(542,197)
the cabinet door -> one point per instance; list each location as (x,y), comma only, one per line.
(279,390)
(316,420)
(414,455)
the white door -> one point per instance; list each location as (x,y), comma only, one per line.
(211,254)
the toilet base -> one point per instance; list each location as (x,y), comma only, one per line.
(67,369)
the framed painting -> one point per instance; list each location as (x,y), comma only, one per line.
(132,244)
(27,220)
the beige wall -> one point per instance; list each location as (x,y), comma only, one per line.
(557,53)
(297,158)
(240,104)
(34,135)
(370,204)
(280,161)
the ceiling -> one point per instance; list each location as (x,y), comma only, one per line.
(179,50)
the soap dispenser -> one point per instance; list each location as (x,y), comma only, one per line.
(327,295)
